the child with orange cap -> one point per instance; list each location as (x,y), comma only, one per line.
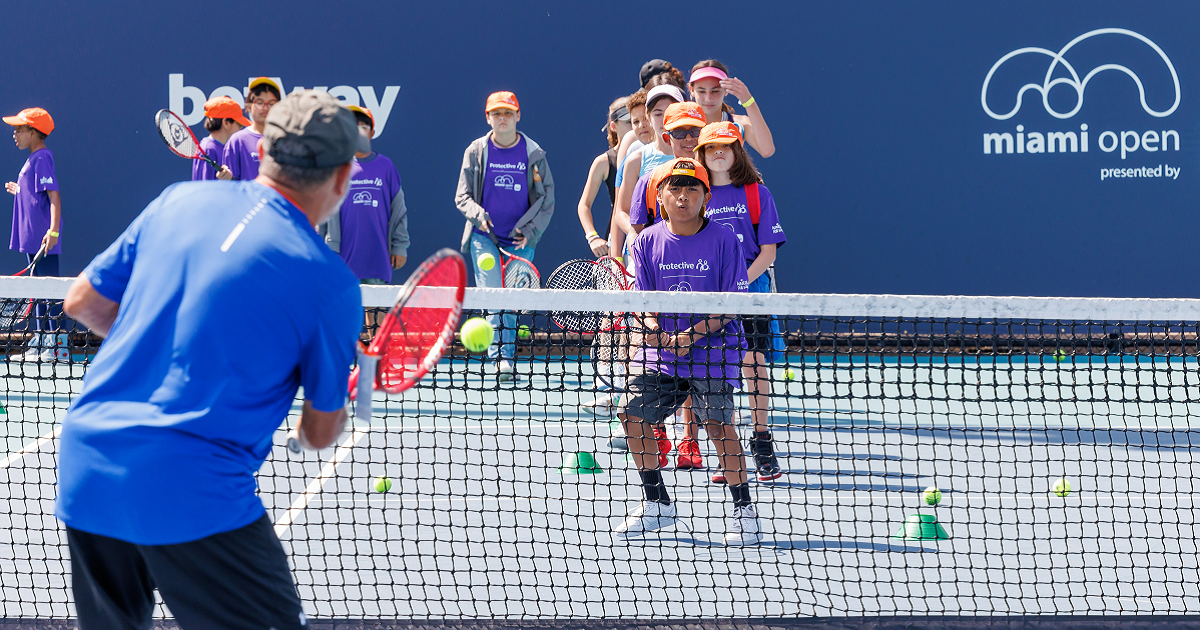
(241,152)
(223,117)
(684,356)
(37,219)
(741,202)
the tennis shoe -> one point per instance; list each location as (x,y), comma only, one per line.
(647,517)
(744,527)
(617,439)
(689,456)
(506,370)
(719,476)
(603,405)
(765,462)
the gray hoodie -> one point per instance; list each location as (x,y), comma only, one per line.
(470,191)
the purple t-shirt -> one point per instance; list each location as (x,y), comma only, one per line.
(505,196)
(200,168)
(639,214)
(729,207)
(31,204)
(365,215)
(710,260)
(241,154)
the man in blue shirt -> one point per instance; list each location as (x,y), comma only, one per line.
(218,302)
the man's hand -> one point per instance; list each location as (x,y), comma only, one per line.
(398,261)
(12,187)
(225,174)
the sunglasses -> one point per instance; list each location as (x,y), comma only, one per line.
(680,134)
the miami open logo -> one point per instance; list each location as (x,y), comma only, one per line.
(1058,60)
(1060,71)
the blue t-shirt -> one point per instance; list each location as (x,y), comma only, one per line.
(201,169)
(230,301)
(505,191)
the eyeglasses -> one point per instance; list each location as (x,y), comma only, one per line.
(680,134)
(264,104)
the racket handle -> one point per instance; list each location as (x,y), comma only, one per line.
(366,386)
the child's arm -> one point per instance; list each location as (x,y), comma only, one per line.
(50,240)
(597,242)
(766,258)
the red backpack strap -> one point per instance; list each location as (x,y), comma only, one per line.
(651,204)
(752,202)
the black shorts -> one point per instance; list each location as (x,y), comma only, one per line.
(758,333)
(654,397)
(235,579)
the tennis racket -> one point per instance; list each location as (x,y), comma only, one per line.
(610,343)
(179,138)
(515,272)
(15,311)
(412,336)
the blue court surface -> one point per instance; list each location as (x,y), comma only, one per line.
(481,523)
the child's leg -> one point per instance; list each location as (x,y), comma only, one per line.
(754,374)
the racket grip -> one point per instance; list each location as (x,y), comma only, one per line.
(366,386)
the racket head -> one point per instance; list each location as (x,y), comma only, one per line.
(419,328)
(576,275)
(520,273)
(178,136)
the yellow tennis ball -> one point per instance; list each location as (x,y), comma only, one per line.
(789,374)
(381,484)
(932,495)
(1062,487)
(524,332)
(477,334)
(486,261)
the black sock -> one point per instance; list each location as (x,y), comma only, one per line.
(655,489)
(741,494)
(762,435)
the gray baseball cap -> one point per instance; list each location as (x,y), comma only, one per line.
(320,123)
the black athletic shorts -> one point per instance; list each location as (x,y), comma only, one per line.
(758,333)
(235,579)
(654,397)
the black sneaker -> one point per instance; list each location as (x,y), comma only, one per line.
(765,462)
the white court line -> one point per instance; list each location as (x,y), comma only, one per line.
(12,459)
(314,486)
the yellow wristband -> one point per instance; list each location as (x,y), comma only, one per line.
(747,103)
(54,234)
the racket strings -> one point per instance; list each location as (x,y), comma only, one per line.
(519,274)
(178,137)
(420,326)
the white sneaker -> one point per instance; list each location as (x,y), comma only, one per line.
(617,439)
(604,405)
(505,370)
(33,351)
(744,528)
(647,517)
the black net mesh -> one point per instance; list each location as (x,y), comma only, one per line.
(1060,451)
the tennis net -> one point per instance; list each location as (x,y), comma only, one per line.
(1058,432)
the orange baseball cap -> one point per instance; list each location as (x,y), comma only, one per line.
(35,117)
(225,107)
(266,81)
(679,166)
(364,111)
(723,132)
(502,100)
(683,115)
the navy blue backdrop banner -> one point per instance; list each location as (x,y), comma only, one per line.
(982,148)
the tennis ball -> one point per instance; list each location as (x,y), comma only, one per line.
(381,484)
(932,495)
(1062,487)
(789,374)
(1060,356)
(524,332)
(476,334)
(486,261)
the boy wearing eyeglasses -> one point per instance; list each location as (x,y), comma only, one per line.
(241,152)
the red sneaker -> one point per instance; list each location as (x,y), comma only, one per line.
(689,455)
(663,461)
(719,476)
(664,443)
